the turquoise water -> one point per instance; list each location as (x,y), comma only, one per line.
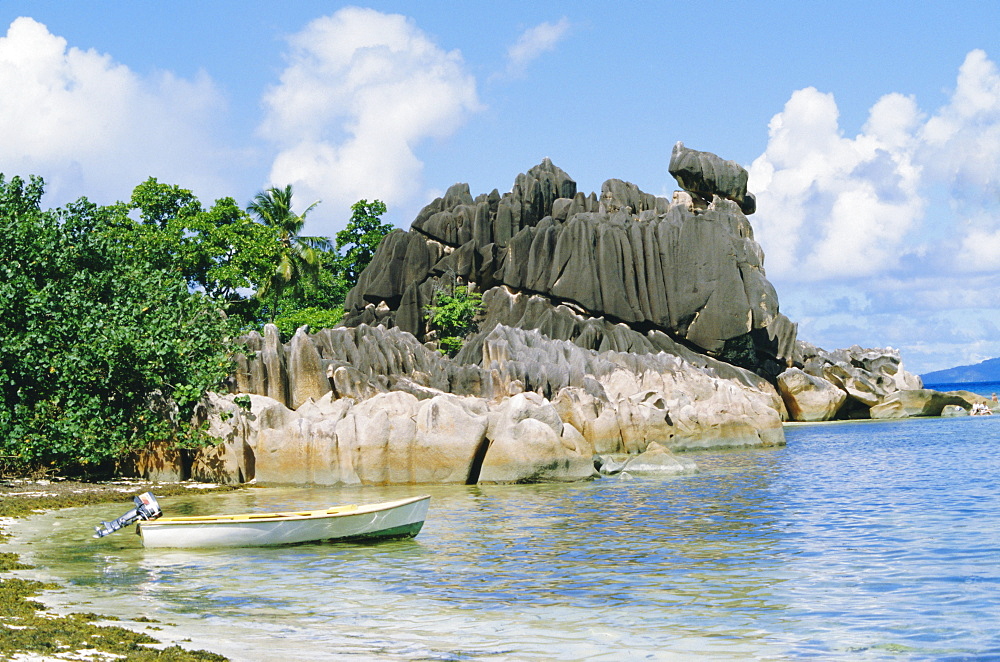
(857,541)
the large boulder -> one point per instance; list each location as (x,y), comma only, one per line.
(528,444)
(396,438)
(307,376)
(290,447)
(275,372)
(592,416)
(625,324)
(856,383)
(809,398)
(450,439)
(707,175)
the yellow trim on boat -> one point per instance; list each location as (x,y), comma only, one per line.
(244,517)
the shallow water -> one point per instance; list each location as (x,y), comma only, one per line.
(867,540)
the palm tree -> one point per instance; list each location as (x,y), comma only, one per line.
(300,257)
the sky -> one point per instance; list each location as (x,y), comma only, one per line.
(871,130)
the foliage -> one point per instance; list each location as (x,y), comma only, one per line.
(159,204)
(453,316)
(104,348)
(740,351)
(328,291)
(310,272)
(314,318)
(118,318)
(361,237)
(228,251)
(220,251)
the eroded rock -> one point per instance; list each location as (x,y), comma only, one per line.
(809,398)
(917,402)
(527,444)
(707,175)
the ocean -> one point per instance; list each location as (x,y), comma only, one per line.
(870,540)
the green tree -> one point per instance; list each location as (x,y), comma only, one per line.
(158,204)
(363,234)
(221,251)
(453,315)
(300,258)
(104,347)
(226,254)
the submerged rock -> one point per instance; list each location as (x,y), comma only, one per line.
(657,459)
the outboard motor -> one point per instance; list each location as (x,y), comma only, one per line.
(146,508)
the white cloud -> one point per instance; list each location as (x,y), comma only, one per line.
(891,236)
(360,92)
(832,207)
(91,126)
(533,42)
(962,150)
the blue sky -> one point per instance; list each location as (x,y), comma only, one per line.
(871,130)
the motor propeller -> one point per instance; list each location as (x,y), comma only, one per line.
(146,508)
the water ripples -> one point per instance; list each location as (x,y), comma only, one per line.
(858,541)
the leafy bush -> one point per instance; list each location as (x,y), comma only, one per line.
(117,319)
(453,315)
(103,347)
(314,318)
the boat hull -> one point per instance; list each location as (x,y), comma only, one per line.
(394,519)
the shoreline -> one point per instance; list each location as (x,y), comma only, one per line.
(36,631)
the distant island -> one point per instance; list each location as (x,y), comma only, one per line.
(987,371)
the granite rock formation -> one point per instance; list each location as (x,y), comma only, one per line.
(692,272)
(616,332)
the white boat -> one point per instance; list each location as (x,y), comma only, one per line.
(391,519)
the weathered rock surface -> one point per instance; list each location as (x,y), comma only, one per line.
(809,398)
(695,274)
(918,402)
(389,438)
(622,401)
(868,376)
(536,409)
(530,443)
(706,175)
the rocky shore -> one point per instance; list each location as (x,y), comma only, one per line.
(612,326)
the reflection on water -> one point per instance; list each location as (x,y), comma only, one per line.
(859,541)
